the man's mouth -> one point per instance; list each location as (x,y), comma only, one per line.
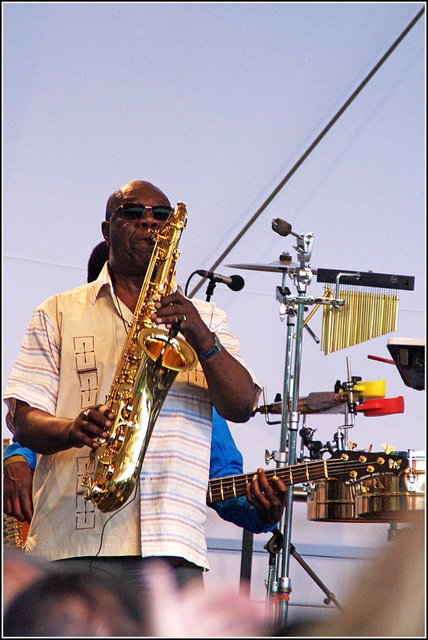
(146,239)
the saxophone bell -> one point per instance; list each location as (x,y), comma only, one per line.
(167,351)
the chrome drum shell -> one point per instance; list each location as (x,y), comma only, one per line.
(391,497)
(331,501)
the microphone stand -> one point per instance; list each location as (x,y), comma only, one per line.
(292,307)
(210,289)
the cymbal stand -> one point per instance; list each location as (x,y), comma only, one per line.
(292,307)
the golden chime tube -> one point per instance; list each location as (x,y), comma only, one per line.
(363,316)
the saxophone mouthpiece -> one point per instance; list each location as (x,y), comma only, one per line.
(152,236)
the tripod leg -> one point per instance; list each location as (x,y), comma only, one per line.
(330,596)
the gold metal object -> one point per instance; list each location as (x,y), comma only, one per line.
(334,501)
(331,501)
(391,497)
(388,448)
(274,267)
(363,316)
(14,532)
(327,294)
(148,366)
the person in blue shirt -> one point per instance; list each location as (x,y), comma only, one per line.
(226,460)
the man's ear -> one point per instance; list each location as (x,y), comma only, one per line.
(105,228)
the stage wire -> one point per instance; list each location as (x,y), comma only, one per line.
(311,147)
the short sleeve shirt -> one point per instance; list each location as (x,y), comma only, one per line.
(66,363)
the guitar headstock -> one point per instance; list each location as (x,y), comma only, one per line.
(352,466)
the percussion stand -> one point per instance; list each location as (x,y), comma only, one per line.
(341,436)
(279,583)
(274,545)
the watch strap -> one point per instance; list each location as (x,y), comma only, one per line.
(214,349)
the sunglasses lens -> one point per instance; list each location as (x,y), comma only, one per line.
(132,209)
(161,213)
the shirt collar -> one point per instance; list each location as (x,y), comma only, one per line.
(103,280)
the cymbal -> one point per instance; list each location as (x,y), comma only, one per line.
(271,266)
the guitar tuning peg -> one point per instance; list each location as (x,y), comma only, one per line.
(370,447)
(351,445)
(388,448)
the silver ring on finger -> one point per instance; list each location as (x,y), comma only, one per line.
(86,414)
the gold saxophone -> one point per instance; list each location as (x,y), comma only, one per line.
(150,361)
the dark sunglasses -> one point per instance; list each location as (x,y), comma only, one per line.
(133,210)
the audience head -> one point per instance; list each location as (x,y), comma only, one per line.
(75,604)
(19,571)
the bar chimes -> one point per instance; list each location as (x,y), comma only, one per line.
(369,309)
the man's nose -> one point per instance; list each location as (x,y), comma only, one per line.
(146,219)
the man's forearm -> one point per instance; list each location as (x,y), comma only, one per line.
(40,431)
(231,387)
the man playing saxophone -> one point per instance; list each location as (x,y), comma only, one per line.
(55,396)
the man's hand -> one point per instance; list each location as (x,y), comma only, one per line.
(17,498)
(268,499)
(176,308)
(91,424)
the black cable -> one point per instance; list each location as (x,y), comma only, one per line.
(312,146)
(188,282)
(127,503)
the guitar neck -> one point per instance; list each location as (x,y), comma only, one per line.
(346,466)
(234,486)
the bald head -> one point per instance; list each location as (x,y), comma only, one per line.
(132,191)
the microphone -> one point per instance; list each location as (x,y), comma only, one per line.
(236,283)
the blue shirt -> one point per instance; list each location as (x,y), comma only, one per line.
(15,449)
(226,460)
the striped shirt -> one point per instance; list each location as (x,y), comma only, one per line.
(66,363)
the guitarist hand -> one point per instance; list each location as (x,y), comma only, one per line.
(17,483)
(268,499)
